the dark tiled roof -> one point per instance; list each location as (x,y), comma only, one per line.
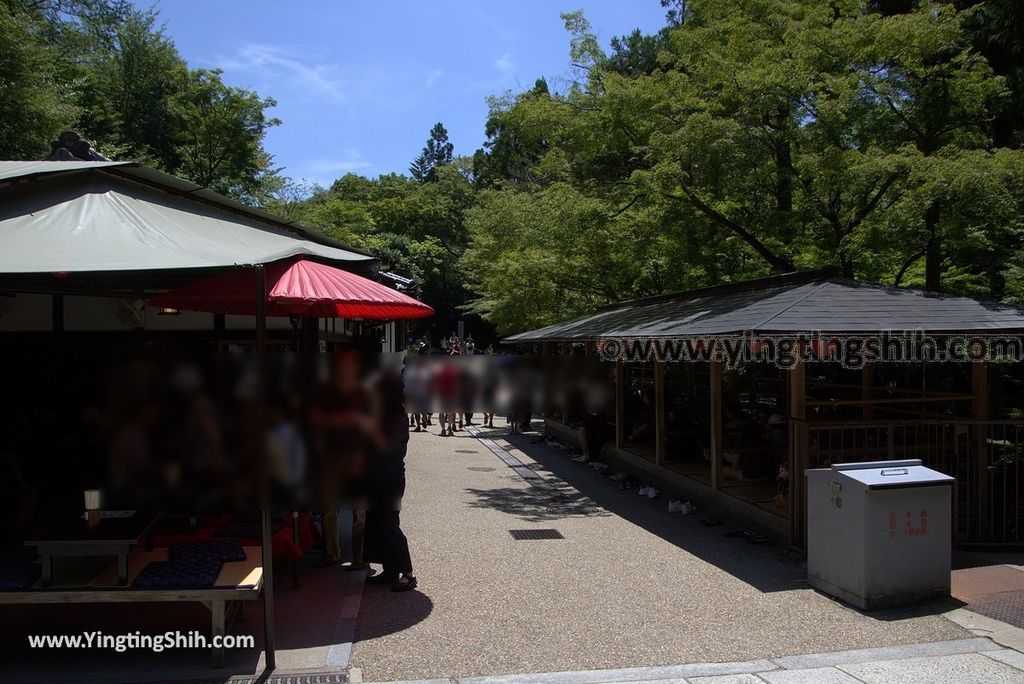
(795,303)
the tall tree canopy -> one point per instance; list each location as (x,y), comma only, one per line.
(748,138)
(108,70)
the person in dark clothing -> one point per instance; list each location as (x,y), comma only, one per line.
(385,543)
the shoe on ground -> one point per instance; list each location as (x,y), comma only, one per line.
(643,490)
(653,493)
(618,477)
(688,508)
(675,506)
(382,578)
(404,583)
(580,459)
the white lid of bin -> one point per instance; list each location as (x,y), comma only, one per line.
(893,474)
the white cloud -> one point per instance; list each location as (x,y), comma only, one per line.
(257,58)
(506,65)
(351,161)
(432,78)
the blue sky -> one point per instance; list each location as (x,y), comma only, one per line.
(360,84)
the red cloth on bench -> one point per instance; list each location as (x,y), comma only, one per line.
(282,543)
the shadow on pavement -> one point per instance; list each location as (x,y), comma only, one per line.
(384,612)
(537,505)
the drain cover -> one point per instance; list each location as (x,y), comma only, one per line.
(481,469)
(1007,606)
(522,535)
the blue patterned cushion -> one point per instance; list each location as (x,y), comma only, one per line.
(181,573)
(227,550)
(18,569)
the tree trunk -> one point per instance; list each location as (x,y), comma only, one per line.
(784,190)
(846,264)
(933,250)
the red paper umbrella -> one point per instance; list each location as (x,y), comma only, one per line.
(296,287)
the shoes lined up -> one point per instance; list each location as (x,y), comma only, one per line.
(627,482)
(649,491)
(684,507)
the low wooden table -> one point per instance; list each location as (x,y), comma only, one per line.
(238,581)
(111,536)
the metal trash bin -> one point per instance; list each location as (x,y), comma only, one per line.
(879,533)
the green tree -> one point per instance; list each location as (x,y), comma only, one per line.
(437,152)
(222,131)
(36,97)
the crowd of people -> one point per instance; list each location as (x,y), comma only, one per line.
(211,435)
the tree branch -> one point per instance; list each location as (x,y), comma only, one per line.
(775,261)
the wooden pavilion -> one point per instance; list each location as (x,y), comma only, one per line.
(960,418)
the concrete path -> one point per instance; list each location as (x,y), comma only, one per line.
(961,661)
(628,586)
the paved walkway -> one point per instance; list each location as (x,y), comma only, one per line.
(962,661)
(629,586)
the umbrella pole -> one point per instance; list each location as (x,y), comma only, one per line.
(267,549)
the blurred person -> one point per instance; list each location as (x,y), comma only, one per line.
(446,388)
(468,387)
(341,420)
(385,486)
(286,449)
(489,394)
(423,347)
(470,345)
(418,391)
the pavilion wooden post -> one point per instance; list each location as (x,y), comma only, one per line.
(266,548)
(867,390)
(659,412)
(715,427)
(979,445)
(797,449)
(620,403)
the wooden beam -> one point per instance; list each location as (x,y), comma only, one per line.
(715,444)
(797,450)
(979,442)
(620,403)
(877,402)
(659,412)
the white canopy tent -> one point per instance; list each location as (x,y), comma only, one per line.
(107,228)
(59,217)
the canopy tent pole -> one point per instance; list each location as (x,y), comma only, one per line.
(267,550)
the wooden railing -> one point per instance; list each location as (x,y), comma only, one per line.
(985,457)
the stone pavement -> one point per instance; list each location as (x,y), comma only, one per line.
(961,661)
(626,594)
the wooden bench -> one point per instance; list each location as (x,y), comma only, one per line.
(238,582)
